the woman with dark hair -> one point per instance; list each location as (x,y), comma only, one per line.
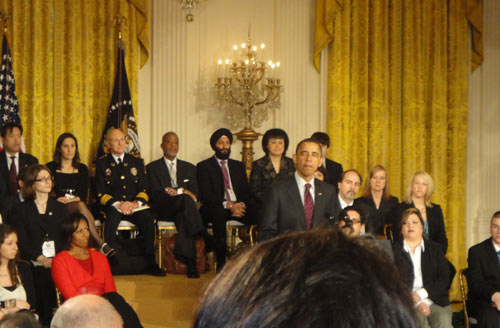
(425,270)
(418,195)
(272,167)
(301,279)
(37,221)
(17,290)
(377,202)
(78,270)
(71,183)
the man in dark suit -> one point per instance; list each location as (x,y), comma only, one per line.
(174,193)
(11,163)
(483,278)
(121,187)
(299,202)
(224,190)
(333,169)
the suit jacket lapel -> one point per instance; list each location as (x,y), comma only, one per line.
(218,176)
(319,203)
(4,164)
(492,256)
(165,179)
(294,194)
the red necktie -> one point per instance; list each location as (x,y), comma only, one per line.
(13,176)
(308,206)
(226,179)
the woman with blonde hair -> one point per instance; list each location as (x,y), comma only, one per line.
(418,195)
(376,201)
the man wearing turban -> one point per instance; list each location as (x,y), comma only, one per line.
(224,190)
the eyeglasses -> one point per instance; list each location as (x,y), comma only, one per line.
(47,179)
(80,231)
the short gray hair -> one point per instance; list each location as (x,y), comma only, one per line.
(86,311)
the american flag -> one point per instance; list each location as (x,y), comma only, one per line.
(121,112)
(9,108)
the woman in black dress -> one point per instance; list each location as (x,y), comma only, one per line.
(71,183)
(418,195)
(376,201)
(272,167)
(37,221)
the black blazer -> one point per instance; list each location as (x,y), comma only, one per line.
(376,218)
(436,272)
(211,182)
(334,171)
(27,281)
(263,175)
(159,178)
(78,181)
(114,184)
(483,275)
(435,221)
(24,161)
(31,227)
(283,210)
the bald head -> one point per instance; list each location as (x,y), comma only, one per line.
(170,145)
(86,311)
(116,142)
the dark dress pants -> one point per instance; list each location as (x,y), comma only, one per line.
(183,211)
(487,316)
(142,219)
(46,294)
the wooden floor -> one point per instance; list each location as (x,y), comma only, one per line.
(169,301)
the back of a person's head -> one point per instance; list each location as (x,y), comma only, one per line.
(318,278)
(86,311)
(20,319)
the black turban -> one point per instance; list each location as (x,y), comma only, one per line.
(218,134)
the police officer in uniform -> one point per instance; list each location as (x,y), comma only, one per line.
(121,187)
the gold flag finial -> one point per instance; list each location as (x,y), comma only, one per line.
(5,18)
(119,21)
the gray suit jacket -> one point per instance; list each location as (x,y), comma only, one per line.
(283,210)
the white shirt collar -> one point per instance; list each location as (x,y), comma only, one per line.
(407,248)
(167,161)
(495,245)
(117,157)
(344,204)
(16,155)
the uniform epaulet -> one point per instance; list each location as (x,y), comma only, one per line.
(103,156)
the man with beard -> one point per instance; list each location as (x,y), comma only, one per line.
(348,188)
(174,192)
(224,190)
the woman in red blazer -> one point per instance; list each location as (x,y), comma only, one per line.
(79,270)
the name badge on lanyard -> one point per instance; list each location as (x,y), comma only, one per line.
(48,247)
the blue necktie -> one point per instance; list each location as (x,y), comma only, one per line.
(498,256)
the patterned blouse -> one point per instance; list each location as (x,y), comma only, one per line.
(263,176)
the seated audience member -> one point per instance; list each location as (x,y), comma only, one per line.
(224,191)
(333,169)
(121,188)
(376,201)
(483,278)
(424,268)
(351,221)
(301,279)
(86,311)
(12,161)
(37,221)
(418,195)
(19,319)
(320,173)
(17,290)
(348,187)
(78,270)
(298,202)
(274,166)
(174,193)
(71,183)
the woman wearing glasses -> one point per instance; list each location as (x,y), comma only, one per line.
(71,183)
(37,221)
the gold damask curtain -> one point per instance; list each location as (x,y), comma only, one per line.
(64,59)
(397,95)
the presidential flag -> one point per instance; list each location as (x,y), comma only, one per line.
(121,112)
(9,108)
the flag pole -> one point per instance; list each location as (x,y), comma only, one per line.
(119,22)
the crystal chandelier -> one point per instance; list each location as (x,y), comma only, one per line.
(248,88)
(189,5)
